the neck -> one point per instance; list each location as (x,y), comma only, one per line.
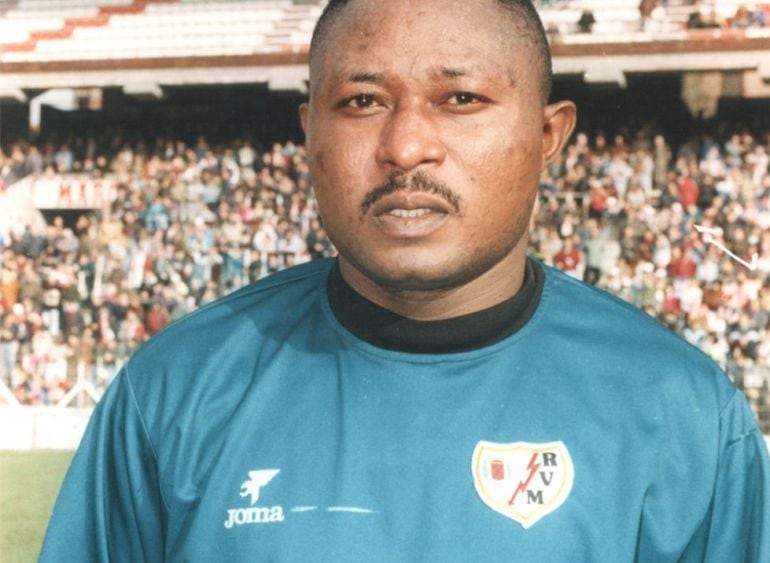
(497,284)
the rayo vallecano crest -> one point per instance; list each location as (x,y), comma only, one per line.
(523,481)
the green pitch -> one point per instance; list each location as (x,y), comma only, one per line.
(29,483)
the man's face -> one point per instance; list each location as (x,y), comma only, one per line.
(427,133)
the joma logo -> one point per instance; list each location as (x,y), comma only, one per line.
(255,514)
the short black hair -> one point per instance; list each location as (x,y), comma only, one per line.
(528,21)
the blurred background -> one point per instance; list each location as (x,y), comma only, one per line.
(151,161)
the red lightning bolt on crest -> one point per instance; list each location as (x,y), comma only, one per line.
(533,467)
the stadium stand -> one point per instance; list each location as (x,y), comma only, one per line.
(622,20)
(158,28)
(167,222)
(191,223)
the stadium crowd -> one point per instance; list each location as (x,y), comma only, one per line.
(660,16)
(190,223)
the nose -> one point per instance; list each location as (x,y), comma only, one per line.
(409,139)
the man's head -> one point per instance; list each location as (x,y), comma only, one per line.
(427,129)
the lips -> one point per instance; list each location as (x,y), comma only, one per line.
(410,215)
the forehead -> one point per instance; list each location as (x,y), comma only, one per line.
(440,16)
(405,36)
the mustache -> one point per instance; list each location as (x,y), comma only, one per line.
(419,182)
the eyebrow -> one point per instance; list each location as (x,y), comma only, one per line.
(366,77)
(449,72)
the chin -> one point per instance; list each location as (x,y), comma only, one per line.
(430,273)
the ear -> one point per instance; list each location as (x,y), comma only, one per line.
(303,111)
(558,123)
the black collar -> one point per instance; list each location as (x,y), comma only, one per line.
(385,329)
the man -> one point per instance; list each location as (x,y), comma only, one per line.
(432,395)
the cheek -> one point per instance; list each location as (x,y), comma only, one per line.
(334,151)
(506,173)
(525,165)
(318,165)
(508,154)
(503,189)
(335,189)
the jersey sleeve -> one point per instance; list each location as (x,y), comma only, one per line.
(737,527)
(110,506)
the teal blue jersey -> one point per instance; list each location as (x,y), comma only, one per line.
(259,429)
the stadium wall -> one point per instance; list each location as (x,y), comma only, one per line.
(42,428)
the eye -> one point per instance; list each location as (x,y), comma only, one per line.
(464,99)
(360,101)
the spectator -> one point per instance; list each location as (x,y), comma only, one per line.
(594,246)
(742,18)
(568,259)
(688,191)
(586,21)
